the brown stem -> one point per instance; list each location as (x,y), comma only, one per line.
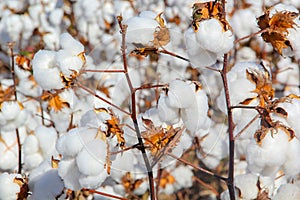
(123,29)
(149,86)
(207,186)
(173,54)
(251,35)
(104,70)
(230,179)
(197,167)
(16,99)
(101,98)
(105,194)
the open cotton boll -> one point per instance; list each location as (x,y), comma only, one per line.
(166,113)
(71,143)
(247,185)
(288,191)
(45,73)
(8,188)
(212,38)
(12,115)
(243,22)
(180,94)
(91,159)
(46,186)
(183,176)
(67,42)
(198,56)
(141,28)
(195,117)
(69,173)
(273,145)
(47,137)
(67,62)
(292,165)
(9,156)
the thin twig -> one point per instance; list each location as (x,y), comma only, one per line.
(101,98)
(197,167)
(246,127)
(251,35)
(207,186)
(16,99)
(104,194)
(173,54)
(104,70)
(149,86)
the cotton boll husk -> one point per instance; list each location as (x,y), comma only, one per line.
(68,43)
(9,189)
(167,113)
(288,191)
(247,183)
(198,56)
(91,159)
(46,186)
(274,145)
(68,171)
(180,94)
(292,166)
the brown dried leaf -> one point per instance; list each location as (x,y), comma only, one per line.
(57,103)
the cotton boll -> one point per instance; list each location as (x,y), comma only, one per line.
(288,191)
(8,188)
(67,62)
(46,186)
(180,94)
(292,165)
(195,117)
(92,181)
(67,42)
(47,138)
(273,145)
(183,176)
(166,113)
(43,65)
(91,159)
(198,56)
(212,38)
(247,185)
(9,156)
(68,171)
(243,22)
(70,143)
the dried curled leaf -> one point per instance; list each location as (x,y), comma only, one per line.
(114,128)
(23,62)
(264,88)
(277,27)
(24,189)
(55,102)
